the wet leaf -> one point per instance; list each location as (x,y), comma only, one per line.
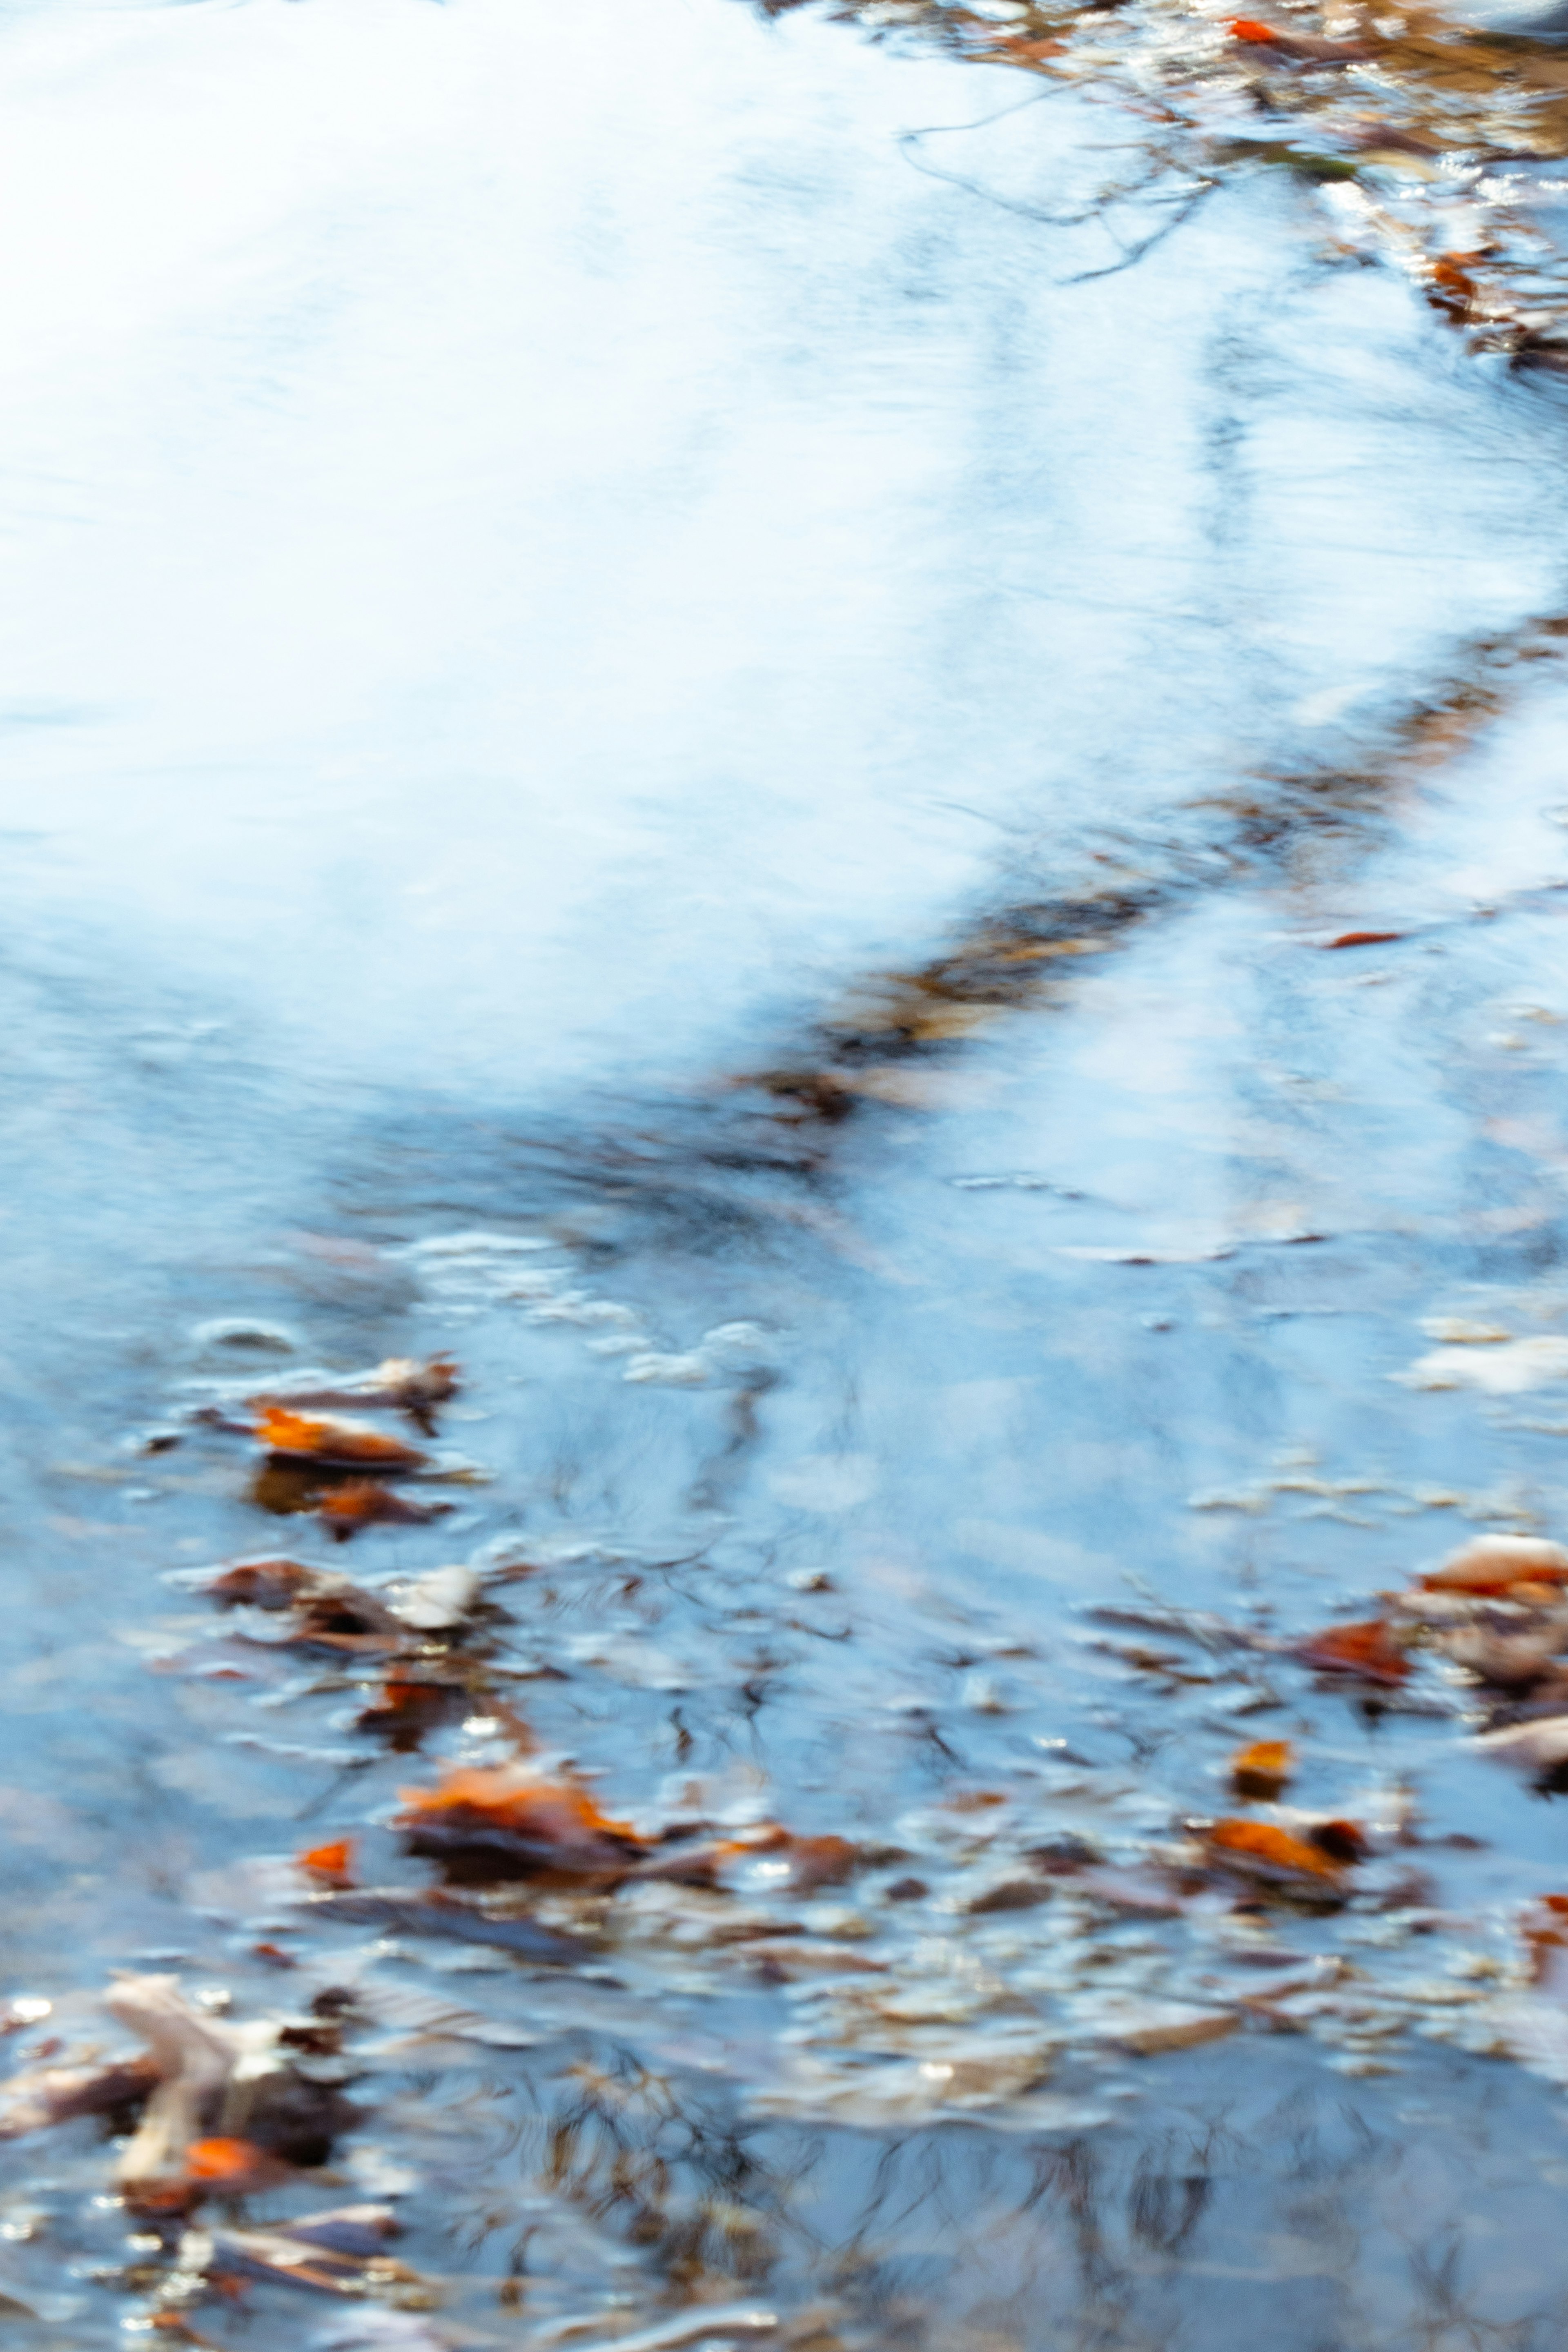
(1494,1565)
(233,2167)
(1258,1848)
(1262,1770)
(331,1865)
(1301,48)
(500,1822)
(1368,1650)
(339,1444)
(405,1709)
(362,1503)
(263,1584)
(1363,939)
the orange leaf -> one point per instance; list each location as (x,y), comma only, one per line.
(331,1440)
(232,2167)
(1247,28)
(1363,939)
(1262,1770)
(1260,1841)
(1366,1650)
(362,1503)
(331,1864)
(518,1822)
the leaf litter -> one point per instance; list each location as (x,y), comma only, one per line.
(966,1965)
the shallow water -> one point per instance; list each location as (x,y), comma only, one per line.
(648,746)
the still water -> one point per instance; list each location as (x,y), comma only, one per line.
(674,725)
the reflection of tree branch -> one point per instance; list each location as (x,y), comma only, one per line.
(1131,254)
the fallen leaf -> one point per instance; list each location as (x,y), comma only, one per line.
(1262,1770)
(1368,1650)
(403,1710)
(233,2167)
(1491,1565)
(332,1864)
(488,1823)
(362,1503)
(263,1584)
(342,1444)
(1259,1847)
(1363,939)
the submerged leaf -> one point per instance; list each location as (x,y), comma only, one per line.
(364,1503)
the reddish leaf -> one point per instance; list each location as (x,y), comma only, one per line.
(1367,1650)
(331,1865)
(1363,939)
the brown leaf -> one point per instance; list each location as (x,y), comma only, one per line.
(263,1584)
(1262,1770)
(1493,1565)
(1363,939)
(1368,1650)
(488,1822)
(362,1503)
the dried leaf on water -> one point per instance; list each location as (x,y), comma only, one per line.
(1258,1850)
(331,1865)
(1263,1768)
(1368,1650)
(1496,1564)
(334,1443)
(263,1584)
(490,1822)
(364,1503)
(233,2167)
